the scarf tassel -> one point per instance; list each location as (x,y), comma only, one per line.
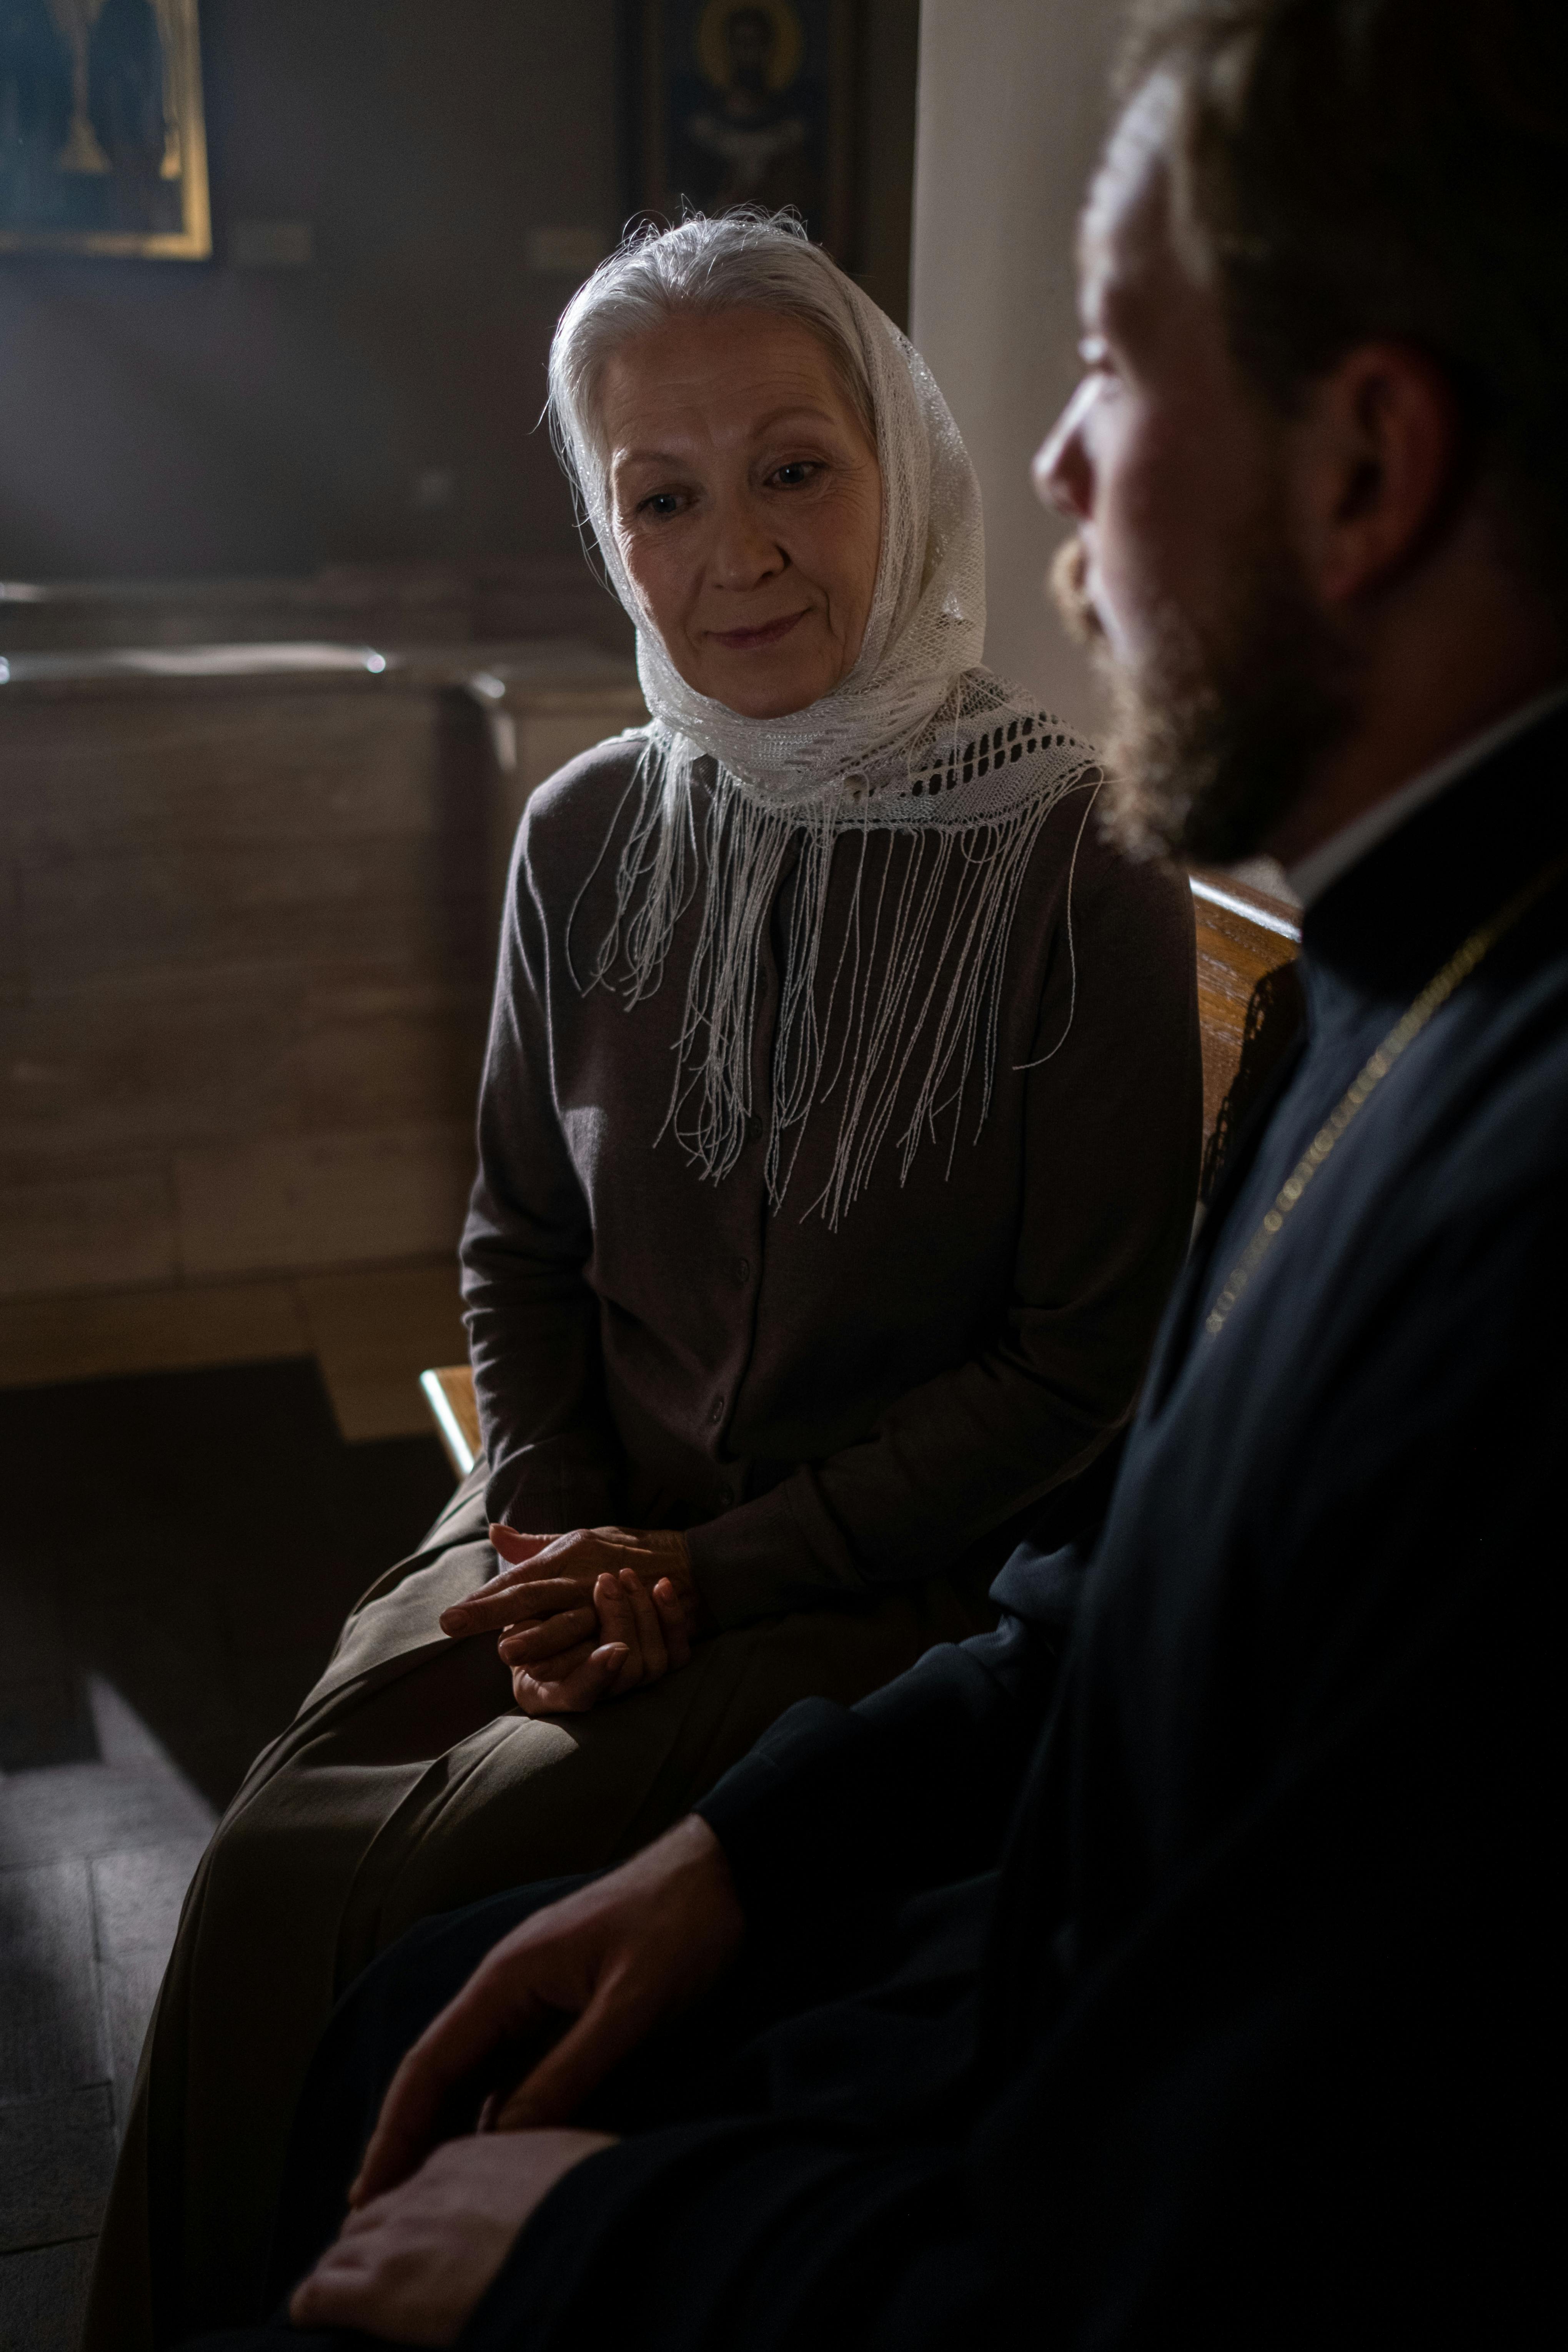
(918,977)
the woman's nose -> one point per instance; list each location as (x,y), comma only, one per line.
(1063,477)
(744,551)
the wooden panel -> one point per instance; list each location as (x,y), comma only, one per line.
(159,915)
(99,1334)
(449,1393)
(64,1231)
(111,1071)
(391,1069)
(95,773)
(246,933)
(1242,935)
(373,1332)
(421,602)
(322,1200)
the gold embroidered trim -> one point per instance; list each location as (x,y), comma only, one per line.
(1432,999)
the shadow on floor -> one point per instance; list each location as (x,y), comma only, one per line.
(196,1538)
(176,1554)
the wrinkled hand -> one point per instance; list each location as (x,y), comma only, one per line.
(584,1616)
(609,1963)
(410,2267)
(624,1635)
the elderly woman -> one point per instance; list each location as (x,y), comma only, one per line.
(837,1145)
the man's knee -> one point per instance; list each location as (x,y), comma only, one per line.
(377,2020)
(386,2009)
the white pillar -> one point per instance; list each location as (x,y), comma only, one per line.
(1013,107)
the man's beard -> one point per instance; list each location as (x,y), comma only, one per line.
(1215,735)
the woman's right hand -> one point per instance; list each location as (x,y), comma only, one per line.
(583,1616)
(572,1651)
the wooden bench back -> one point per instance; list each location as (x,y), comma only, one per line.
(1248,999)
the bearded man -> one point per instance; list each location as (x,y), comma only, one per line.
(1181,1979)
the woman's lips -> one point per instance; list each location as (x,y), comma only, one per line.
(745,641)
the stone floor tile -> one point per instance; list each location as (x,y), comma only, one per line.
(51,2029)
(43,2297)
(136,1909)
(89,1809)
(57,2157)
(45,1720)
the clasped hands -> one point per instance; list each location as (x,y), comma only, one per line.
(584,1616)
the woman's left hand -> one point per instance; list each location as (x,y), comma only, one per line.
(410,2267)
(536,1562)
(584,1616)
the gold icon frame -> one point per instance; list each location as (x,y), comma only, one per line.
(185,149)
(668,36)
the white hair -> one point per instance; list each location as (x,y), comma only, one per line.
(743,260)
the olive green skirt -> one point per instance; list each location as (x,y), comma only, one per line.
(409,1784)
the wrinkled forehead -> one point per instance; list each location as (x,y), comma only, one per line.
(1126,224)
(737,368)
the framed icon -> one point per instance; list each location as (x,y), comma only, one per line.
(103,140)
(749,102)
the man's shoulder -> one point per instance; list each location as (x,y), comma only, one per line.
(1506,1134)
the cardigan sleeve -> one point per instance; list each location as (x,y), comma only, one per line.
(533,1331)
(1113,1131)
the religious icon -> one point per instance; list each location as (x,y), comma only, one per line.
(747,103)
(102,146)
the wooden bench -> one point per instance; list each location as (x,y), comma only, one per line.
(1248,1003)
(449,1393)
(1249,999)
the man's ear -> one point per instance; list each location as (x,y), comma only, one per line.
(1380,466)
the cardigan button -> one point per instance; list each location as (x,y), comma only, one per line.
(716,1412)
(743,1270)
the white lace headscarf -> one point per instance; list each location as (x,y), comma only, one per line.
(917,739)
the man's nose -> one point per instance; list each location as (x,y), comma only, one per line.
(1063,477)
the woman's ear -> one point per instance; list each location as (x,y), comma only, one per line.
(1380,460)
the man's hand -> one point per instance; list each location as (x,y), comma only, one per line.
(410,2267)
(617,1958)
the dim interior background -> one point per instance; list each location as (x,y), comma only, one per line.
(292,617)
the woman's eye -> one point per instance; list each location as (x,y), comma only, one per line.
(799,471)
(660,504)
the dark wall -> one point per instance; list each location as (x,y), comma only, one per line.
(170,419)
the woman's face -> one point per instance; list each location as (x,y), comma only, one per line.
(747,503)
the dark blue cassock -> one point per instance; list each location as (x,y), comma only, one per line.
(1182,1975)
